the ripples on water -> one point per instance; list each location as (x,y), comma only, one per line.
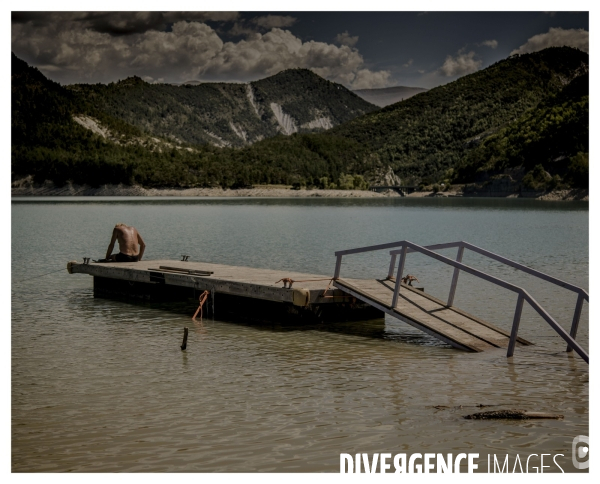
(100,385)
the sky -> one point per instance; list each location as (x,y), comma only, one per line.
(360,50)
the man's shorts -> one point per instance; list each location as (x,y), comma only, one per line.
(126,258)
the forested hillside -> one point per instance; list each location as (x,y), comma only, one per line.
(424,137)
(48,144)
(228,114)
(548,144)
(526,115)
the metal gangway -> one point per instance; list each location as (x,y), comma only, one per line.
(440,318)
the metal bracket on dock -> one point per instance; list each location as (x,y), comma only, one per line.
(184,258)
(86,260)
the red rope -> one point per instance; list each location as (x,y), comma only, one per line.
(203,297)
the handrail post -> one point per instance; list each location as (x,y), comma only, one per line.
(515,326)
(459,257)
(576,317)
(338,267)
(392,266)
(399,277)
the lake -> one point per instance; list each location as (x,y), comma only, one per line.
(102,386)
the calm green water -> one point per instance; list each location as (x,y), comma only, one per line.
(99,385)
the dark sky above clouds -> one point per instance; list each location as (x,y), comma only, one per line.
(358,49)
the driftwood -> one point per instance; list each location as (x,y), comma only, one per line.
(511,414)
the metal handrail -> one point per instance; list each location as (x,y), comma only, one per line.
(581,293)
(516,265)
(458,265)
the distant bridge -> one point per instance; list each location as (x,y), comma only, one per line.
(403,191)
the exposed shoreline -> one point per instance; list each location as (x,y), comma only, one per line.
(49,190)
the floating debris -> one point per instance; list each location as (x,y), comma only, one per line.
(511,415)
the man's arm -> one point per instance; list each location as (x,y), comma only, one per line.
(111,246)
(142,245)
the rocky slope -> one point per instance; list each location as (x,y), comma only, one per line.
(228,114)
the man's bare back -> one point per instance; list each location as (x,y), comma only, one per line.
(129,239)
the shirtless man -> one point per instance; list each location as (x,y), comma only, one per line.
(128,238)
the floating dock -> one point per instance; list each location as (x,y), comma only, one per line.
(255,294)
(237,291)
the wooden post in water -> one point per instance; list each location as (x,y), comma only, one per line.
(184,344)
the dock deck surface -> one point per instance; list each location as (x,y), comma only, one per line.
(429,314)
(226,279)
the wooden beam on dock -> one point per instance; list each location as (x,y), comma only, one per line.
(235,280)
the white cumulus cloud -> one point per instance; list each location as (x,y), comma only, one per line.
(366,79)
(346,39)
(556,37)
(274,21)
(490,43)
(190,50)
(460,65)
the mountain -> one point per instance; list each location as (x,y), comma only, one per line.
(228,114)
(58,136)
(389,95)
(547,146)
(42,110)
(525,117)
(424,137)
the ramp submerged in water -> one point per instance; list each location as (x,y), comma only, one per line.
(442,319)
(429,314)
